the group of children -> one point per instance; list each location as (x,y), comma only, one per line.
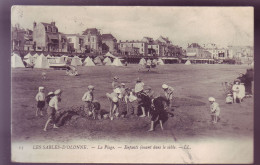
(52,100)
(134,99)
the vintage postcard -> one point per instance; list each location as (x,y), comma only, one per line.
(118,84)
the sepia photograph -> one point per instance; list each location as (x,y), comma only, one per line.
(132,84)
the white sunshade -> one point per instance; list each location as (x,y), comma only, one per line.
(88,62)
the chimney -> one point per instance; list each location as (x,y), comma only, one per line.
(34,24)
(53,23)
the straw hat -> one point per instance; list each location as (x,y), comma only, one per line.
(40,88)
(211,99)
(50,93)
(57,92)
(164,86)
(90,87)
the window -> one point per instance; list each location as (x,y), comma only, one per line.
(142,49)
(49,29)
(93,39)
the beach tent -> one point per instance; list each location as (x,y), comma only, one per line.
(36,55)
(117,62)
(88,62)
(160,62)
(29,55)
(155,61)
(107,61)
(48,56)
(41,62)
(29,59)
(97,61)
(142,61)
(76,61)
(16,61)
(187,62)
(110,55)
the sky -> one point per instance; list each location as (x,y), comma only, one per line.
(182,25)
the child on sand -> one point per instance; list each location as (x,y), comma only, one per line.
(40,98)
(53,109)
(214,110)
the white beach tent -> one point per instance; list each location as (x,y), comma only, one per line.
(29,59)
(88,62)
(16,61)
(48,56)
(110,55)
(41,62)
(76,61)
(155,61)
(117,62)
(28,55)
(107,61)
(97,61)
(36,56)
(160,62)
(142,61)
(187,62)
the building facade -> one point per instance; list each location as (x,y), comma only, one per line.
(133,48)
(92,40)
(76,43)
(194,50)
(109,42)
(46,37)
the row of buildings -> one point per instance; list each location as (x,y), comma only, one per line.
(46,37)
(212,51)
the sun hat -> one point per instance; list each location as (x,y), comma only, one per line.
(41,88)
(50,93)
(58,91)
(123,84)
(164,86)
(90,87)
(117,90)
(138,89)
(229,94)
(211,99)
